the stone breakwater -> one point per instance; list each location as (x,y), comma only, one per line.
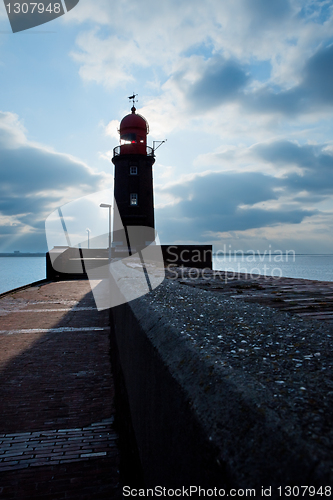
(225,390)
(289,356)
(306,298)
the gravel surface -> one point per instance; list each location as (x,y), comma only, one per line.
(285,359)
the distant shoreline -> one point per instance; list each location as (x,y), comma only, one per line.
(272,254)
(227,254)
(22,254)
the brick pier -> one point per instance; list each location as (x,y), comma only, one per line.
(57,439)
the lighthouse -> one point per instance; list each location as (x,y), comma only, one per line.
(133,231)
(133,180)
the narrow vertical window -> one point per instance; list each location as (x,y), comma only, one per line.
(133,170)
(133,199)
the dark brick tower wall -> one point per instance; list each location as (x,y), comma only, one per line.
(140,183)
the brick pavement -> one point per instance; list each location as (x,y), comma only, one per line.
(57,438)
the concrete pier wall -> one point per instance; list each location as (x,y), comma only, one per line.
(173,448)
(197,421)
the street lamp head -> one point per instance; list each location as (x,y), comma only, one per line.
(105,205)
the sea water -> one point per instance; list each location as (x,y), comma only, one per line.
(311,267)
(20,271)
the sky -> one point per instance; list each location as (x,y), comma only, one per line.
(241,89)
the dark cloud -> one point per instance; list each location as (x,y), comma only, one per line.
(225,81)
(318,75)
(263,11)
(215,202)
(18,203)
(315,90)
(31,170)
(33,179)
(311,182)
(9,230)
(309,198)
(316,164)
(221,81)
(223,192)
(290,103)
(286,153)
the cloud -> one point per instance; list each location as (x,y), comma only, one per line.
(314,91)
(34,180)
(199,87)
(285,152)
(314,161)
(255,56)
(273,11)
(108,61)
(136,35)
(228,81)
(220,202)
(318,76)
(222,81)
(112,129)
(223,191)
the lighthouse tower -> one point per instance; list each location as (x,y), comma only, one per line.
(133,176)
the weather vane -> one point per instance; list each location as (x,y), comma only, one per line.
(132,97)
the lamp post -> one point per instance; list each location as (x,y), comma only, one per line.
(88,231)
(105,205)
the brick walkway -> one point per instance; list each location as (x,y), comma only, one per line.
(57,438)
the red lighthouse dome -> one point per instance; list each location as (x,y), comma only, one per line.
(133,134)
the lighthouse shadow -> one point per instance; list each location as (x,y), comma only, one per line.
(63,380)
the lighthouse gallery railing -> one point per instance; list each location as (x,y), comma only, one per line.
(117,151)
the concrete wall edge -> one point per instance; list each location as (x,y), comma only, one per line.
(238,443)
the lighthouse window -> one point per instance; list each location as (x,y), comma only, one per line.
(133,199)
(129,138)
(133,170)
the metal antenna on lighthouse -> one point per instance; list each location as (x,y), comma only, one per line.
(159,144)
